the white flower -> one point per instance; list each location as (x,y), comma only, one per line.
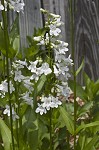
(46,102)
(33,67)
(62,68)
(62,47)
(7,111)
(17,5)
(27,99)
(54,15)
(17,65)
(42,40)
(57,21)
(34,77)
(56,71)
(40,109)
(59,57)
(69,61)
(1,6)
(54,31)
(4,87)
(37,38)
(11,87)
(55,102)
(64,89)
(24,63)
(45,68)
(28,84)
(18,76)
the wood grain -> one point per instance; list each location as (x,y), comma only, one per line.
(86,29)
(87,37)
(29,20)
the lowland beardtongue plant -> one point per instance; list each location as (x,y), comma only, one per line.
(16,5)
(60,65)
(58,68)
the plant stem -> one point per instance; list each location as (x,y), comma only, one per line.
(17,111)
(73,57)
(50,64)
(6,37)
(51,130)
(68,138)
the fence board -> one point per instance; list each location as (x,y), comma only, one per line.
(86,29)
(87,37)
(30,19)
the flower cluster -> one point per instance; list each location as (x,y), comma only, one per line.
(61,63)
(16,5)
(25,75)
(47,104)
(7,111)
(4,88)
(38,71)
(23,81)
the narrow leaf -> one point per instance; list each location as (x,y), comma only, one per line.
(6,135)
(83,126)
(67,120)
(79,69)
(79,90)
(91,144)
(40,83)
(84,108)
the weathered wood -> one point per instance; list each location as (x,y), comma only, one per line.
(30,19)
(87,37)
(86,32)
(86,29)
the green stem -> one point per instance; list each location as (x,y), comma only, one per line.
(73,57)
(17,111)
(3,64)
(68,138)
(51,148)
(50,57)
(6,37)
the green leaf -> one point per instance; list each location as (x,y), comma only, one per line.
(79,90)
(41,83)
(16,43)
(2,41)
(31,51)
(82,140)
(84,108)
(33,139)
(6,135)
(90,145)
(12,37)
(14,33)
(30,128)
(79,69)
(83,126)
(67,120)
(96,88)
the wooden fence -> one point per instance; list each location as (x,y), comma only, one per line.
(86,29)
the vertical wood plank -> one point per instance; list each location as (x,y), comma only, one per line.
(87,37)
(86,29)
(29,20)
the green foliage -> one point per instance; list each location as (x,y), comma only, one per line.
(36,132)
(80,92)
(6,135)
(67,120)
